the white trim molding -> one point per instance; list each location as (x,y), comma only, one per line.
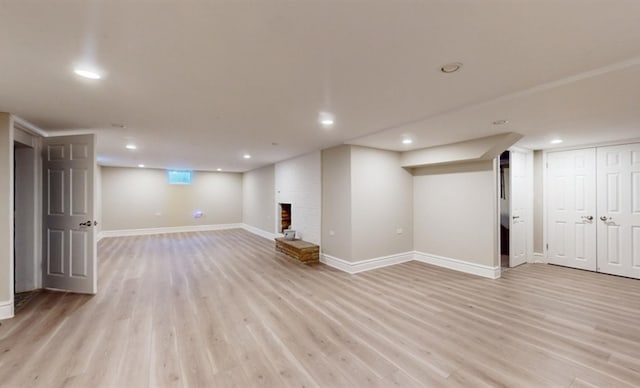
(171,229)
(539,258)
(6,310)
(353,267)
(185,229)
(260,232)
(459,265)
(365,265)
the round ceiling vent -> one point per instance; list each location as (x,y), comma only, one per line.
(451,67)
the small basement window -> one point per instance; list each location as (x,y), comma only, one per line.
(180,177)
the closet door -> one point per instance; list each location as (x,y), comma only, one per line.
(520,203)
(619,210)
(571,228)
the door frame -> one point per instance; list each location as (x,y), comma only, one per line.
(28,138)
(545,186)
(17,128)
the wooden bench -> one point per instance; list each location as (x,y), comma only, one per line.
(303,251)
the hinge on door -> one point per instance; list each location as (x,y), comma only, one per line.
(547,164)
(547,246)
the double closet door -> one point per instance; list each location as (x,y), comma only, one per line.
(593,209)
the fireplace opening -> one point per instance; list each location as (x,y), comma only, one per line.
(285,216)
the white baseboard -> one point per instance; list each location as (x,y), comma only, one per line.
(6,310)
(260,232)
(539,258)
(459,265)
(341,264)
(185,229)
(353,267)
(365,265)
(172,229)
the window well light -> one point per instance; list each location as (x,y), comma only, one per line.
(556,141)
(131,146)
(180,177)
(218,169)
(141,165)
(87,73)
(246,156)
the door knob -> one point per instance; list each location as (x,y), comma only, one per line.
(516,217)
(605,218)
(588,218)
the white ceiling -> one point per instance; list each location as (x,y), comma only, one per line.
(200,83)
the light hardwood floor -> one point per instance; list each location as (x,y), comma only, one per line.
(223,309)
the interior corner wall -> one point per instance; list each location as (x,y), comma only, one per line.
(298,181)
(538,179)
(381,204)
(6,214)
(258,198)
(27,259)
(455,213)
(142,198)
(336,202)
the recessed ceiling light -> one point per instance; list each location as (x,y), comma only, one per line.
(327,122)
(407,141)
(501,122)
(141,165)
(451,67)
(131,146)
(556,141)
(87,73)
(327,119)
(246,156)
(218,169)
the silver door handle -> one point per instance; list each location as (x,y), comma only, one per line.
(605,218)
(588,218)
(516,217)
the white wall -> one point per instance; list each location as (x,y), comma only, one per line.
(455,213)
(97,207)
(258,198)
(336,201)
(141,198)
(381,204)
(298,181)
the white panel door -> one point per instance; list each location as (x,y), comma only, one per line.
(571,211)
(619,210)
(68,241)
(518,225)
